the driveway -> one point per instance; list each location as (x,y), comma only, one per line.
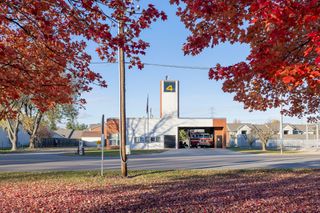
(172,159)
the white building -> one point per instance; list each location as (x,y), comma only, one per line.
(163,132)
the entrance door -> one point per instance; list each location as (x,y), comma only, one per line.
(219,141)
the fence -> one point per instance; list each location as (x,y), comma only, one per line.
(294,144)
(289,144)
(57,142)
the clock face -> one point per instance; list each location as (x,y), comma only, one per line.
(169,86)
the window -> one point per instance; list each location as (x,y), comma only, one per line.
(286,132)
(146,139)
(137,139)
(155,139)
(114,139)
(244,132)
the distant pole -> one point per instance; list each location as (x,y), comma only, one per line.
(123,136)
(317,131)
(102,143)
(212,111)
(307,131)
(281,130)
(317,134)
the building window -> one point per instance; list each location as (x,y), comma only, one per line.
(114,140)
(286,132)
(137,139)
(147,139)
(155,139)
(243,132)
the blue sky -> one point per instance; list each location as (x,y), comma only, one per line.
(198,94)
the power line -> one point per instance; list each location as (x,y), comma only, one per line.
(161,65)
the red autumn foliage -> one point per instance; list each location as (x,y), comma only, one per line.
(43,46)
(283,66)
(256,191)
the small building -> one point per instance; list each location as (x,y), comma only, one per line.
(91,138)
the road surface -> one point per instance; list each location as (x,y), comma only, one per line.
(172,159)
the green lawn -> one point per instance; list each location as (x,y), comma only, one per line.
(19,150)
(162,191)
(259,151)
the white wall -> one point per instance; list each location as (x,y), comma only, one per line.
(90,141)
(158,127)
(244,128)
(289,129)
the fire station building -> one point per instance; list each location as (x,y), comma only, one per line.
(163,132)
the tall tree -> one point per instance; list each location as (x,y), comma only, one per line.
(283,66)
(43,46)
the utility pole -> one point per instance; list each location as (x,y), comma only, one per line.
(212,111)
(307,131)
(281,130)
(123,136)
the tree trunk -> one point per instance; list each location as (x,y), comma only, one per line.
(12,128)
(264,146)
(33,135)
(32,142)
(13,144)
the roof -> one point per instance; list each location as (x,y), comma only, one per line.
(233,127)
(69,133)
(91,134)
(94,126)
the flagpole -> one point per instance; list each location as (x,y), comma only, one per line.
(148,133)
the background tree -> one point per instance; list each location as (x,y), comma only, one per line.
(283,66)
(76,126)
(43,46)
(264,133)
(251,139)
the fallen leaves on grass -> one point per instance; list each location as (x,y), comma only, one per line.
(266,191)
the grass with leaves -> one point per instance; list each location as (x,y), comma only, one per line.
(162,191)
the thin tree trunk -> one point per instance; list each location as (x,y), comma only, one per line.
(33,135)
(32,142)
(12,131)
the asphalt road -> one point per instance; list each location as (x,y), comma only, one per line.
(172,159)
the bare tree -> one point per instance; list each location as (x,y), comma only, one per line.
(263,133)
(251,138)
